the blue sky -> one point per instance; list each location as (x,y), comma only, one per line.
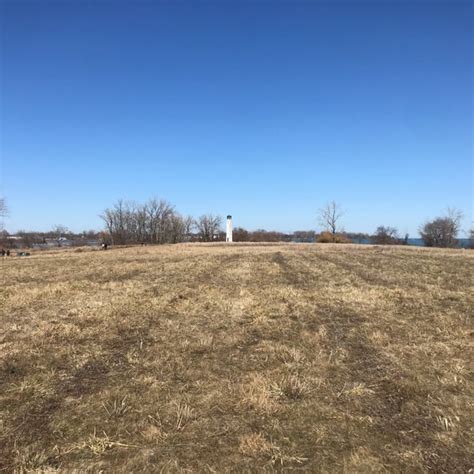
(265,110)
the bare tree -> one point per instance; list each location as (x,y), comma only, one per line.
(208,226)
(59,230)
(115,222)
(329,217)
(179,228)
(141,224)
(385,235)
(240,234)
(159,213)
(109,221)
(154,222)
(121,221)
(188,223)
(442,231)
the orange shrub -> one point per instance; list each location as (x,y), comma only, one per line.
(327,237)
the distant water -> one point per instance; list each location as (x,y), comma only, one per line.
(463,243)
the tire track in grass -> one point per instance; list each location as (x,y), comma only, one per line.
(367,383)
(369,275)
(200,328)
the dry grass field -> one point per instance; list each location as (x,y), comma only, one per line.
(195,358)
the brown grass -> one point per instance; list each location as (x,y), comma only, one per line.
(212,358)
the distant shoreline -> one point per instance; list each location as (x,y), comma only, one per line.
(463,243)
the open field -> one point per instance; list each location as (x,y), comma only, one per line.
(202,358)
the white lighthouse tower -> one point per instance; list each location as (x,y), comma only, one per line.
(229,229)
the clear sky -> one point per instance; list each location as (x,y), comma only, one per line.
(263,110)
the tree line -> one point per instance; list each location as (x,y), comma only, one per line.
(155,222)
(442,231)
(158,222)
